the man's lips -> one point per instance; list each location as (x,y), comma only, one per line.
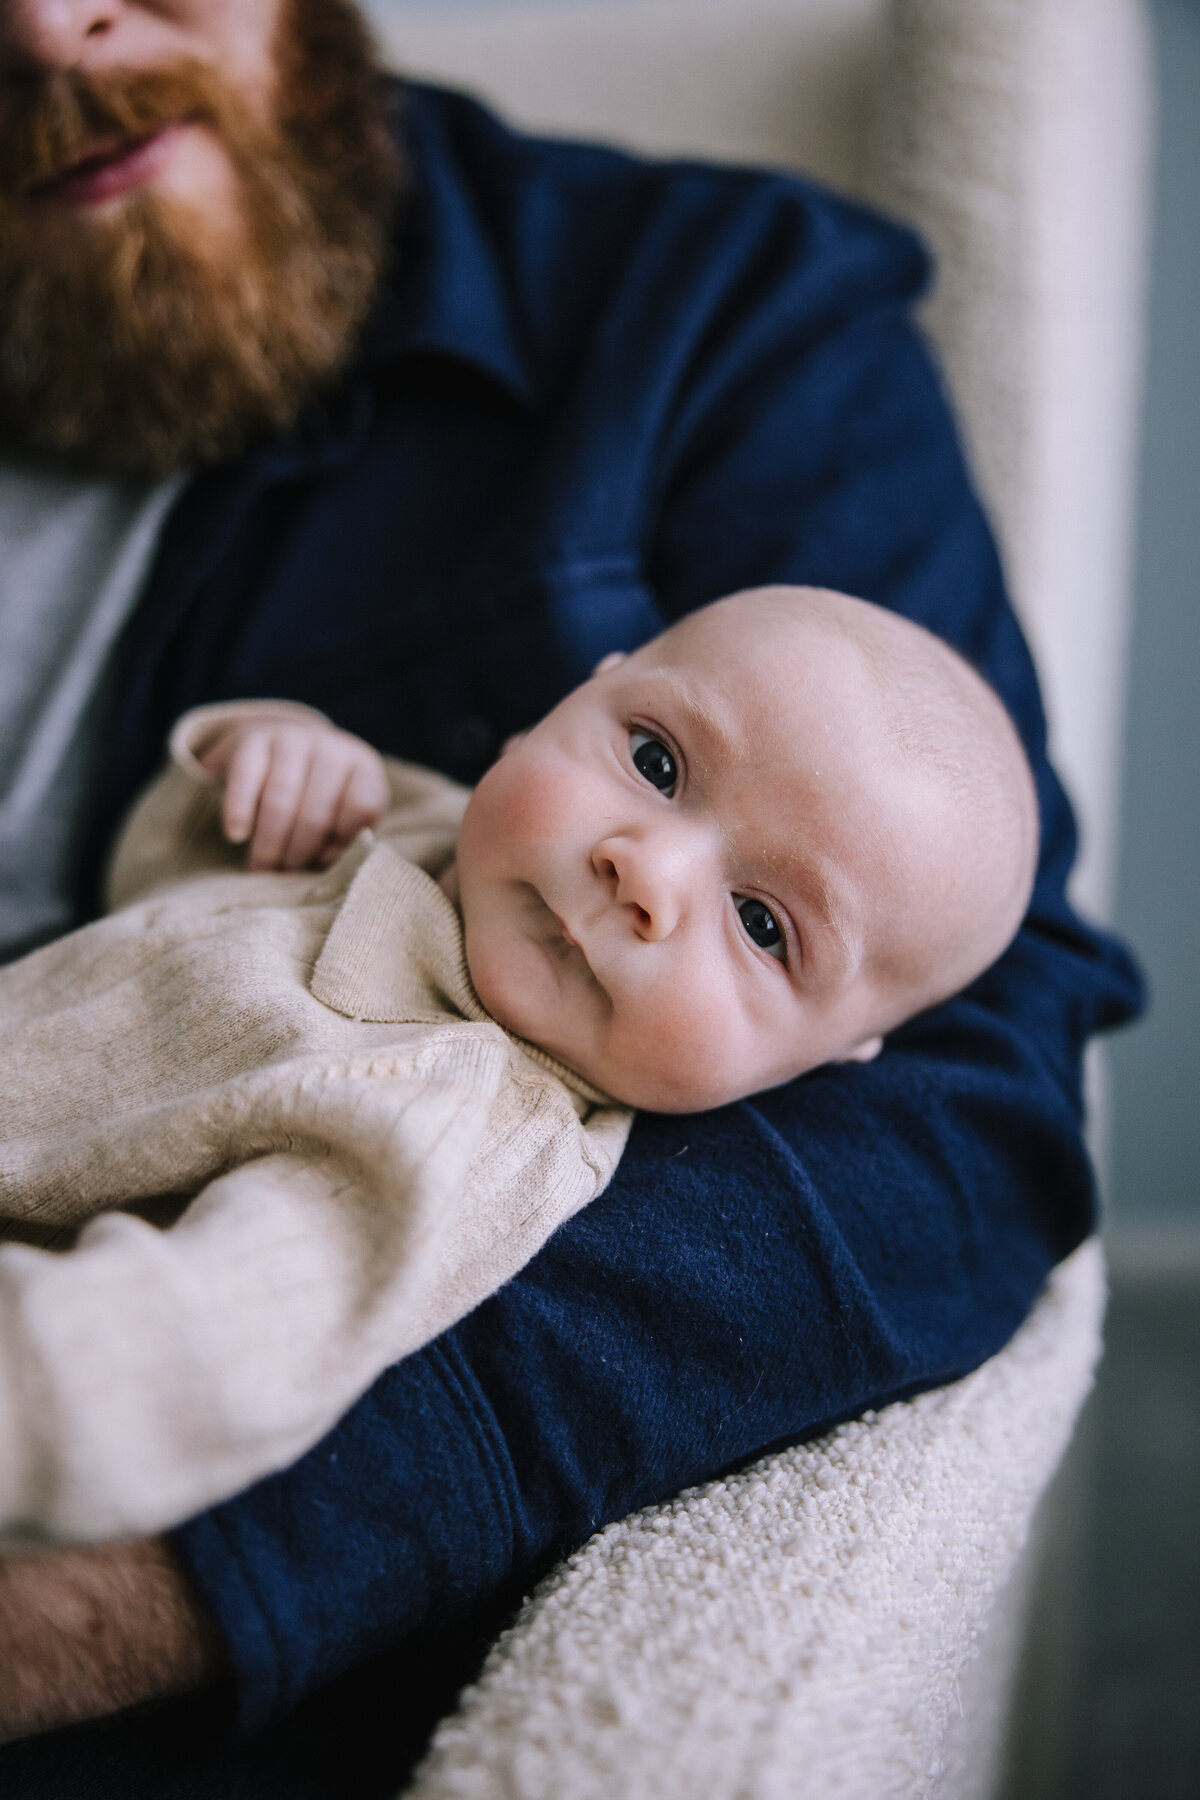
(111,169)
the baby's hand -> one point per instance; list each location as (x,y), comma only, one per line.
(296,791)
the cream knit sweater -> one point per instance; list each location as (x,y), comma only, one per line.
(303,1148)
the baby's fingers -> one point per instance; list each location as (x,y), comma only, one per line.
(244,781)
(315,818)
(364,800)
(280,802)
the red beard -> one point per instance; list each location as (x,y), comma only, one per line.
(146,352)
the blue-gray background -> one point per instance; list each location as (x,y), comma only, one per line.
(1155,1174)
(1156,1141)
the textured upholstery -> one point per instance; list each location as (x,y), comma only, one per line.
(804,1627)
(1015,133)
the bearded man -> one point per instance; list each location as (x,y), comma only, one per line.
(318,387)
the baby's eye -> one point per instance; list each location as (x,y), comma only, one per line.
(652,759)
(762,927)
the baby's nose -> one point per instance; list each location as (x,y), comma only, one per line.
(647,880)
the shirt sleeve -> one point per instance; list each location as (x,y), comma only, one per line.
(755,1274)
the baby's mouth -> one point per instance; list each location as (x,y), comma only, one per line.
(561,931)
(565,952)
(561,941)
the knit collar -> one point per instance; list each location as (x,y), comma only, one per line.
(395,952)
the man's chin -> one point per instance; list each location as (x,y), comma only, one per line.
(207,344)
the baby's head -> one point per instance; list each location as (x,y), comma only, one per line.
(756,845)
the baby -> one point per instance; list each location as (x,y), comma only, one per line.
(754,846)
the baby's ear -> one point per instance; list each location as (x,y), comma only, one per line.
(867,1051)
(609,662)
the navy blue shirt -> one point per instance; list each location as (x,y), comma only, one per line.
(597,393)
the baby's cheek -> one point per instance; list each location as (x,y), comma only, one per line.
(522,799)
(684,1054)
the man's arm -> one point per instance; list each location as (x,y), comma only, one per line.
(752,1275)
(87,1632)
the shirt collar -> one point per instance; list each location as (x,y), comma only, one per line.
(395,952)
(447,293)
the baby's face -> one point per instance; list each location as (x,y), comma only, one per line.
(694,879)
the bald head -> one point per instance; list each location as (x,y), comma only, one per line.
(752,847)
(956,810)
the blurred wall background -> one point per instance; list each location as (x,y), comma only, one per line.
(1155,1179)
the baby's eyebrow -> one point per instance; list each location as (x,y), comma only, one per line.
(832,913)
(722,739)
(811,896)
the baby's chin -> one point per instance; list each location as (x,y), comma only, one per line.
(668,1091)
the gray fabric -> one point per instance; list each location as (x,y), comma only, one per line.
(74,551)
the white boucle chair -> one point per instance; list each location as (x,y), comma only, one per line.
(843,1619)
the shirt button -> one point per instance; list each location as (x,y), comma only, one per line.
(471,739)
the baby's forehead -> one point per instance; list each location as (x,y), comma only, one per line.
(797,746)
(773,690)
(769,639)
